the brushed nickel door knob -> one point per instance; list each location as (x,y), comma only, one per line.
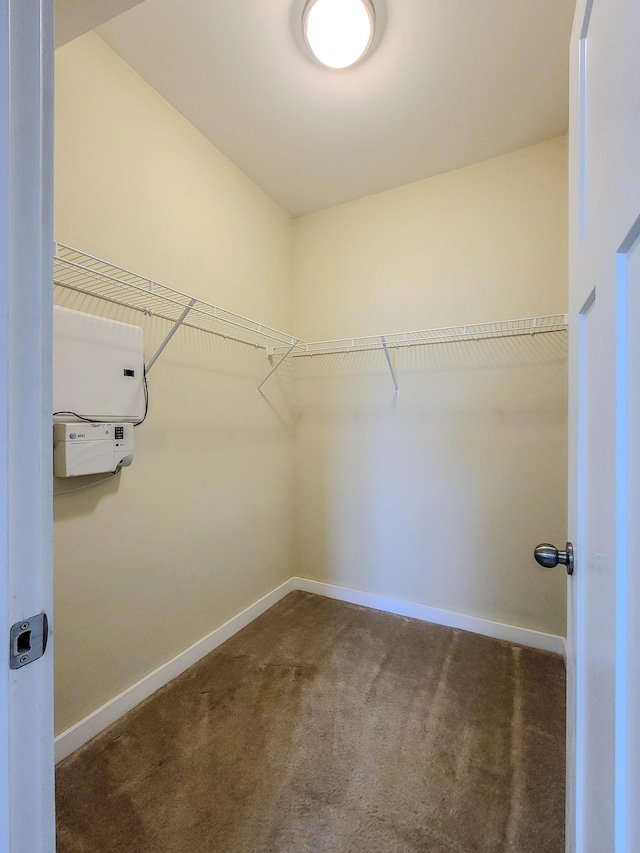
(549,556)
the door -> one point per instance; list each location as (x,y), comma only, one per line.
(604,502)
(26,696)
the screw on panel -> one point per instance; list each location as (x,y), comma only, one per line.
(24,626)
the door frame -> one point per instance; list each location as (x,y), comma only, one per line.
(622,241)
(27,814)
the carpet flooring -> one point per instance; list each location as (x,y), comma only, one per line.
(324,726)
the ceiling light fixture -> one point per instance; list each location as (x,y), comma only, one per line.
(338,32)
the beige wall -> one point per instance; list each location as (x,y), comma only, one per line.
(200,525)
(437,496)
(483,243)
(136,182)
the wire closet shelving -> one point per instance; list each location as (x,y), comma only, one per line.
(84,273)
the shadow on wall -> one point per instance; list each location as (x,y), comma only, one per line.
(437,496)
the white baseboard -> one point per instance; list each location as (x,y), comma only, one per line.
(497,630)
(82,732)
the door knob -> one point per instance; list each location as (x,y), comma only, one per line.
(549,556)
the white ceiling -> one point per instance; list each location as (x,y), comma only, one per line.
(452,82)
(76,17)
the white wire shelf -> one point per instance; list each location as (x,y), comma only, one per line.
(85,273)
(447,334)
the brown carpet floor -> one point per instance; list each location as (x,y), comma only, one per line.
(324,726)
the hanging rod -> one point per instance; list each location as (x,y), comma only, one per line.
(84,273)
(447,334)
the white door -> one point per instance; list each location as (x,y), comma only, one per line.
(604,593)
(26,188)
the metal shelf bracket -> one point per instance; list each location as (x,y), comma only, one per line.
(276,366)
(175,328)
(388,356)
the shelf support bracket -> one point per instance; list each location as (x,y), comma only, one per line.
(388,357)
(174,329)
(276,366)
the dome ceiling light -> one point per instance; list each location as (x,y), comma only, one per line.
(338,32)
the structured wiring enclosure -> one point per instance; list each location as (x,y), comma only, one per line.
(98,368)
